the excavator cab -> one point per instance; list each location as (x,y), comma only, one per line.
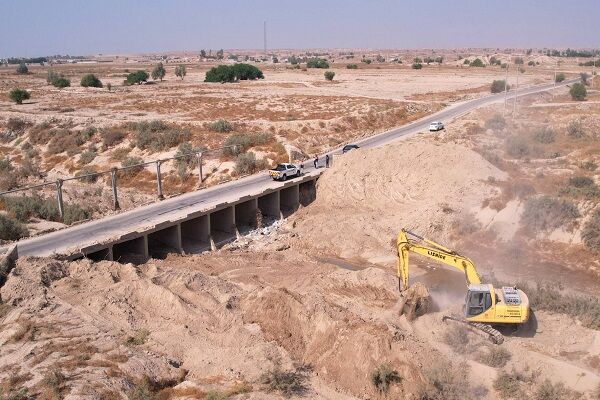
(479,300)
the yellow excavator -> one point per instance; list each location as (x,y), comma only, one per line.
(484,305)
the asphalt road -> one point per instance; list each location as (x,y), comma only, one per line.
(69,239)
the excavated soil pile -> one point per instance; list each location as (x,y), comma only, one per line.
(210,321)
(370,194)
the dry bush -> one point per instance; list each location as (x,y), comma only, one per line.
(247,164)
(517,147)
(119,154)
(87,157)
(575,129)
(288,383)
(53,386)
(509,385)
(590,234)
(64,140)
(457,337)
(25,333)
(554,391)
(547,213)
(147,388)
(133,166)
(221,126)
(589,165)
(138,339)
(112,137)
(496,123)
(445,381)
(383,376)
(244,141)
(544,135)
(494,356)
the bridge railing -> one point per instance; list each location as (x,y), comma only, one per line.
(113,173)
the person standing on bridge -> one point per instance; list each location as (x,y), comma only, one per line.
(326,160)
(315,161)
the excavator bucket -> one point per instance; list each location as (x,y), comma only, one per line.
(416,301)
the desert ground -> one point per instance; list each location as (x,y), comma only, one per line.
(309,307)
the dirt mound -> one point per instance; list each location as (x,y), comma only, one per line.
(368,195)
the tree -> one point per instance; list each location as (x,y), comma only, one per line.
(329,75)
(578,91)
(220,54)
(477,63)
(498,86)
(317,63)
(158,72)
(417,65)
(560,77)
(180,71)
(203,53)
(57,80)
(137,77)
(91,80)
(226,73)
(22,69)
(18,95)
(518,61)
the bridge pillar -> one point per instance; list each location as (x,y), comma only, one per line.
(307,192)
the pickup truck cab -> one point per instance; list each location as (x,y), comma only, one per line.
(283,171)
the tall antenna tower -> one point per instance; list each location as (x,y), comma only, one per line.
(265,37)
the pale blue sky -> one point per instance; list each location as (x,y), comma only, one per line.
(80,27)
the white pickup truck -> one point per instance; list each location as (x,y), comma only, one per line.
(283,171)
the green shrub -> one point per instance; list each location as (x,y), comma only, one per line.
(133,166)
(90,80)
(57,80)
(317,63)
(590,233)
(188,162)
(247,163)
(225,73)
(288,383)
(509,385)
(553,391)
(221,126)
(87,157)
(498,86)
(580,181)
(578,91)
(22,69)
(23,208)
(477,63)
(139,338)
(352,66)
(75,213)
(560,77)
(417,66)
(137,77)
(545,135)
(11,229)
(18,95)
(383,376)
(159,72)
(329,75)
(517,147)
(160,141)
(546,213)
(589,165)
(180,71)
(575,129)
(581,186)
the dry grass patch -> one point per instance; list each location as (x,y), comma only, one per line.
(288,383)
(494,356)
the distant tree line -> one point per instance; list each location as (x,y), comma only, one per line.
(233,73)
(573,53)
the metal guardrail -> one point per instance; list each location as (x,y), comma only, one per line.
(113,174)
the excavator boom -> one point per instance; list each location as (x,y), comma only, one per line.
(408,241)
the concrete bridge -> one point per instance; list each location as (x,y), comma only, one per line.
(207,228)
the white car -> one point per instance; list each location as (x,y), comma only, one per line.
(283,171)
(436,126)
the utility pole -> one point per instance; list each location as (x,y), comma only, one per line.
(265,37)
(516,89)
(505,89)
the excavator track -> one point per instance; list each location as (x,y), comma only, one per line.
(493,334)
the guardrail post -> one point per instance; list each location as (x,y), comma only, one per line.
(200,179)
(158,181)
(113,178)
(61,207)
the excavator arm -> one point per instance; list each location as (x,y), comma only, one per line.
(429,248)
